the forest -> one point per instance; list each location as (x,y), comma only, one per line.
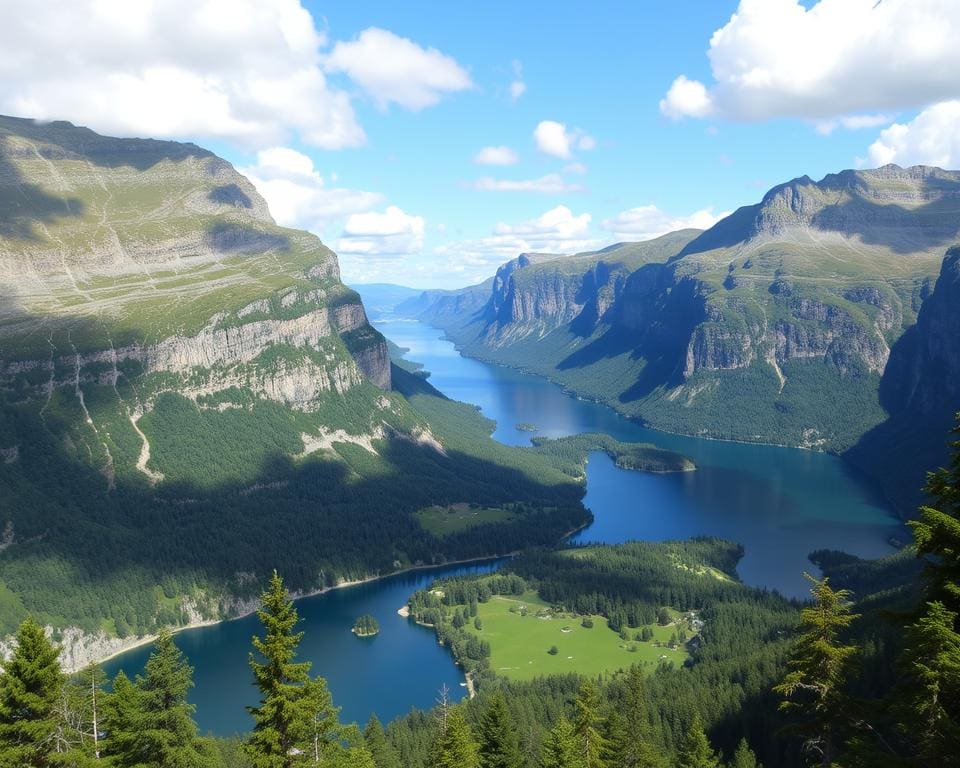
(843,679)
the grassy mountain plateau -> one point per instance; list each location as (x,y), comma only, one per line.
(190,396)
(814,318)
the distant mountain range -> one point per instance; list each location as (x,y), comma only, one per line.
(792,321)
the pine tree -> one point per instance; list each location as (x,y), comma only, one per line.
(696,751)
(819,667)
(384,755)
(499,747)
(167,732)
(560,749)
(743,757)
(937,533)
(123,722)
(638,748)
(30,688)
(589,741)
(928,692)
(455,747)
(280,679)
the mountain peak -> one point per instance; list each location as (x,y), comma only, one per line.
(905,210)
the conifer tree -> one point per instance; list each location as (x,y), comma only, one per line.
(499,746)
(170,730)
(638,748)
(455,746)
(696,751)
(819,666)
(744,756)
(928,692)
(588,739)
(560,750)
(937,533)
(278,718)
(122,723)
(30,688)
(384,755)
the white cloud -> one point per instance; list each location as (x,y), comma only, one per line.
(852,123)
(391,233)
(551,184)
(496,156)
(686,98)
(517,87)
(246,71)
(777,58)
(297,194)
(394,69)
(558,231)
(553,138)
(647,222)
(931,138)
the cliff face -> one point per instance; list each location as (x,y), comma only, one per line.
(774,325)
(921,392)
(155,267)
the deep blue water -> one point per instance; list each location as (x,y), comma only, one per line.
(779,503)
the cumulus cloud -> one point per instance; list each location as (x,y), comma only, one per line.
(648,221)
(496,156)
(557,230)
(393,69)
(931,138)
(297,194)
(551,184)
(553,138)
(777,58)
(390,233)
(852,123)
(247,71)
(686,98)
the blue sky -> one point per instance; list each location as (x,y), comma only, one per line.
(363,121)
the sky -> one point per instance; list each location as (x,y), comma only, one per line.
(428,142)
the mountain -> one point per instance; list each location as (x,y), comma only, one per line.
(191,397)
(775,325)
(920,390)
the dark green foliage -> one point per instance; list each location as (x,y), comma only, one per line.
(382,751)
(455,746)
(695,752)
(588,741)
(819,668)
(366,626)
(743,757)
(560,750)
(937,533)
(82,556)
(30,689)
(278,720)
(499,747)
(928,691)
(150,723)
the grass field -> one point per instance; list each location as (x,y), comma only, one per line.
(520,644)
(442,521)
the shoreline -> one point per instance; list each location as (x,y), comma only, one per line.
(147,639)
(900,515)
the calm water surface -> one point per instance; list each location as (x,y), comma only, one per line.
(779,503)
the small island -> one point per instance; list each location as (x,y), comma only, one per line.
(366,626)
(525,426)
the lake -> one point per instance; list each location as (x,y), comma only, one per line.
(780,503)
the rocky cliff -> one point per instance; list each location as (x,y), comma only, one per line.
(921,391)
(774,325)
(157,267)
